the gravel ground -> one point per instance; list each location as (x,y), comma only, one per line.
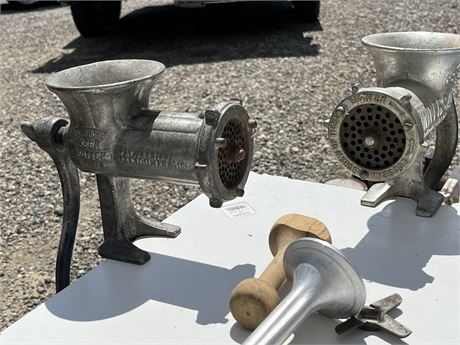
(288,74)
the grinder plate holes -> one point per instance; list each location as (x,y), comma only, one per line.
(372,136)
(232,163)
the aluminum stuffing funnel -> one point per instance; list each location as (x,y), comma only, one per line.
(323,279)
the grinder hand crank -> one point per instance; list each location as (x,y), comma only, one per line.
(254,298)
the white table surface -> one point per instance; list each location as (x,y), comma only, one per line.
(181,295)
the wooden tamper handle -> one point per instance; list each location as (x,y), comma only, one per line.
(254,298)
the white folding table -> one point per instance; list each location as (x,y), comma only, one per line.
(181,295)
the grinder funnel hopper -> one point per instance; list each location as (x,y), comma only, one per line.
(106,93)
(423,62)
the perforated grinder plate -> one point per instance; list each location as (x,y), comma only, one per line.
(231,172)
(372,136)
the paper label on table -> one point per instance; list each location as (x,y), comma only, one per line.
(237,210)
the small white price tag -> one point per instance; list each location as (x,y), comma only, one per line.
(238,209)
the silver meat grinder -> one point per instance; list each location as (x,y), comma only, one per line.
(114,134)
(380,133)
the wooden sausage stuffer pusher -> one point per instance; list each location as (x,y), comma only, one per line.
(254,298)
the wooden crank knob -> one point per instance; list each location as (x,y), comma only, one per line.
(254,298)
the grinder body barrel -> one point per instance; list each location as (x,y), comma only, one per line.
(166,151)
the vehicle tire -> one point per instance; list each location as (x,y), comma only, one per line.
(306,11)
(21,4)
(93,18)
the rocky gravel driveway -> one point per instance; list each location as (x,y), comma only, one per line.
(288,74)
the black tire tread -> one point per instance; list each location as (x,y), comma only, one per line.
(93,18)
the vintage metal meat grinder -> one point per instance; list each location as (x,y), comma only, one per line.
(379,133)
(114,134)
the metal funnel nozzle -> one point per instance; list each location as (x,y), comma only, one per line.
(105,93)
(105,75)
(424,62)
(324,280)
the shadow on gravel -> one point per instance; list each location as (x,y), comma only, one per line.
(14,6)
(176,36)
